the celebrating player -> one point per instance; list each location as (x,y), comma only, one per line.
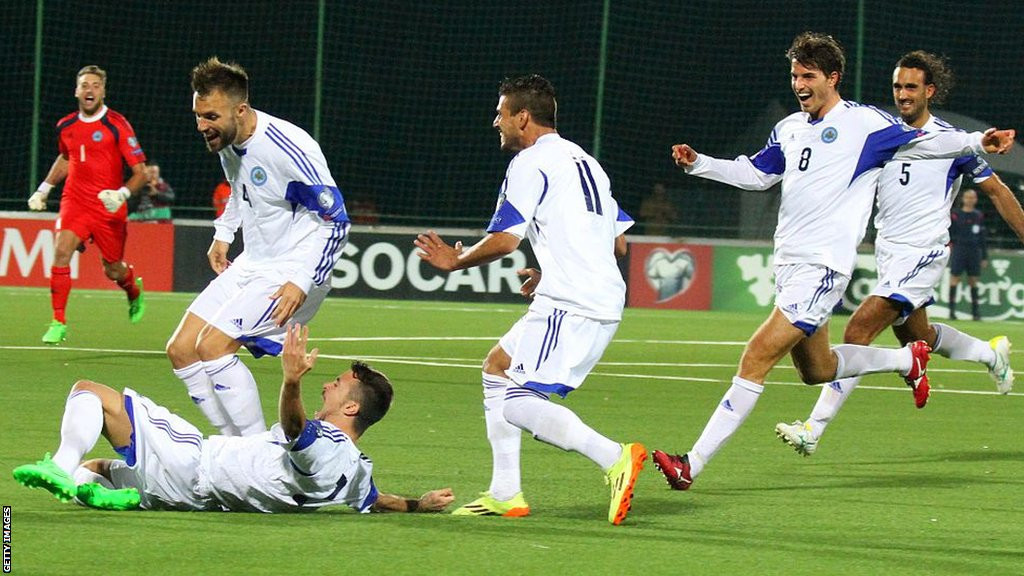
(95,144)
(294,227)
(828,157)
(299,465)
(913,220)
(558,197)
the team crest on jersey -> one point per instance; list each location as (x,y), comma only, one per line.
(97,136)
(669,273)
(325,198)
(829,135)
(258,176)
(133,142)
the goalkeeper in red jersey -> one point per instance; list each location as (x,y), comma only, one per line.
(95,143)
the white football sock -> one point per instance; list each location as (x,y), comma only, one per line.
(559,426)
(505,440)
(956,345)
(856,360)
(79,429)
(83,475)
(736,405)
(200,389)
(236,390)
(833,395)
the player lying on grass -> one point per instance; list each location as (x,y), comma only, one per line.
(299,465)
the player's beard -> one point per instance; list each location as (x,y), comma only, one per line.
(223,138)
(510,143)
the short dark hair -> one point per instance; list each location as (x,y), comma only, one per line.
(373,395)
(227,77)
(936,72)
(533,93)
(92,69)
(819,51)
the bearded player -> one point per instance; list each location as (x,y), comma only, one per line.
(95,144)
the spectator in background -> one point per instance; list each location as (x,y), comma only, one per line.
(967,240)
(220,197)
(155,198)
(657,212)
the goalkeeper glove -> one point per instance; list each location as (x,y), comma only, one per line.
(112,199)
(37,201)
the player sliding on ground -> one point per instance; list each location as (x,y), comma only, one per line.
(299,465)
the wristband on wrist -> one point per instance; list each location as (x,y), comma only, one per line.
(411,505)
(44,187)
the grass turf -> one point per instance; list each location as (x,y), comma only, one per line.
(891,489)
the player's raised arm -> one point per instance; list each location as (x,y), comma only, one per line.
(998,141)
(295,362)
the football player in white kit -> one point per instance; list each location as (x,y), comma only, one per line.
(914,201)
(828,157)
(300,465)
(559,198)
(294,227)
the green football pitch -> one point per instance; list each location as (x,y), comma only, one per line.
(891,490)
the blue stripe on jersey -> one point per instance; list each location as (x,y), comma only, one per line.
(770,159)
(593,188)
(294,152)
(560,389)
(259,346)
(309,434)
(128,452)
(325,200)
(881,145)
(973,167)
(543,192)
(330,254)
(505,217)
(583,185)
(371,498)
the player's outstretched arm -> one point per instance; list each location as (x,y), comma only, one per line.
(295,362)
(998,141)
(442,256)
(433,501)
(683,155)
(1006,204)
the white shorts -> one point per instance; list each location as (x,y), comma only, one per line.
(162,459)
(909,275)
(806,294)
(554,352)
(238,304)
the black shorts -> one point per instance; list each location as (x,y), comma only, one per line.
(965,260)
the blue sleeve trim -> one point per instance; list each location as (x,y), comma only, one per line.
(505,217)
(309,434)
(326,201)
(623,216)
(560,389)
(770,159)
(880,146)
(371,498)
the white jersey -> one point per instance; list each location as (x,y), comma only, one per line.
(284,198)
(559,198)
(915,198)
(829,169)
(267,473)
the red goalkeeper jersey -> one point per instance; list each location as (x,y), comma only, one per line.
(97,153)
